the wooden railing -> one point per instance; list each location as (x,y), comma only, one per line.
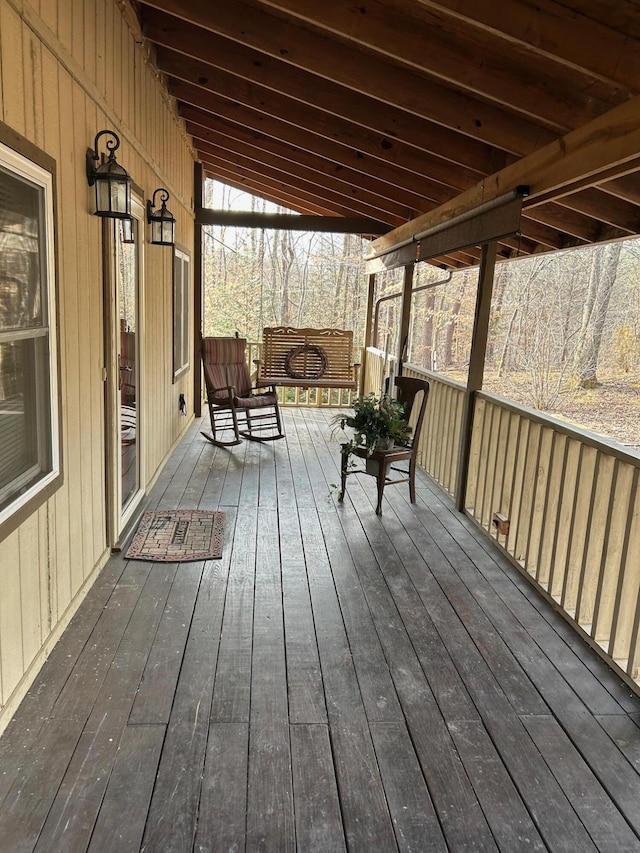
(439,446)
(562,503)
(572,509)
(377,365)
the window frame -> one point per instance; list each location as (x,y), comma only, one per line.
(20,157)
(181,313)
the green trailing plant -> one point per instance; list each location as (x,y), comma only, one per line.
(374,419)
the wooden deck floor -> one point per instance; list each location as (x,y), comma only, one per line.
(337,681)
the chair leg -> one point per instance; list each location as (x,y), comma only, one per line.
(274,423)
(236,429)
(381,480)
(412,480)
(344,463)
(278,421)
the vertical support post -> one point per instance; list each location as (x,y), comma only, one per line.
(367,333)
(476,366)
(198,187)
(405,315)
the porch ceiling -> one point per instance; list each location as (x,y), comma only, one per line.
(388,109)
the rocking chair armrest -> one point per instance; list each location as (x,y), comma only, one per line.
(271,388)
(231,390)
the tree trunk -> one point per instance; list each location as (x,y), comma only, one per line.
(452,323)
(601,280)
(427,334)
(500,281)
(286,260)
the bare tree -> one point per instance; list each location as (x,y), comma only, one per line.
(604,269)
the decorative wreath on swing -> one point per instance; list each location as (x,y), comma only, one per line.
(314,368)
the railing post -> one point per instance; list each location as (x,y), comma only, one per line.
(198,185)
(367,333)
(476,365)
(405,314)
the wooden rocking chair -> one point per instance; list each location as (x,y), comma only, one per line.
(230,395)
(380,462)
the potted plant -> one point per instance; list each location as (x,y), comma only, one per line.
(377,423)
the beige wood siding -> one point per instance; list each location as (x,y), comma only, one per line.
(70,68)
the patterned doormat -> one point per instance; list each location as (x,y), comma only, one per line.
(179,535)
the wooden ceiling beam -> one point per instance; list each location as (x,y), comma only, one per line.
(289,221)
(555,32)
(231,137)
(604,208)
(573,222)
(397,31)
(453,260)
(195,52)
(203,126)
(627,188)
(298,186)
(542,234)
(520,246)
(621,15)
(259,108)
(363,73)
(263,162)
(294,198)
(607,142)
(275,194)
(324,149)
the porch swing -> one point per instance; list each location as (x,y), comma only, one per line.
(307,358)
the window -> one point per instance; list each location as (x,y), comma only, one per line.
(181,325)
(29,447)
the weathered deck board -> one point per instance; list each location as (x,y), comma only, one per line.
(337,681)
(318,818)
(223,799)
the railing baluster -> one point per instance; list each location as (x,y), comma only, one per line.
(578,532)
(599,512)
(614,546)
(551,510)
(628,588)
(543,473)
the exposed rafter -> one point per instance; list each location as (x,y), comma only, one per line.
(398,110)
(609,141)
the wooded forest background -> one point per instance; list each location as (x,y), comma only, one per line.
(565,327)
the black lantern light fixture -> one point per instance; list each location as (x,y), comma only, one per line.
(162,221)
(112,182)
(126,231)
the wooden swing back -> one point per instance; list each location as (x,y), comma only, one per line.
(307,358)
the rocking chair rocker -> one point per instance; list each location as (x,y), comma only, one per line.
(229,395)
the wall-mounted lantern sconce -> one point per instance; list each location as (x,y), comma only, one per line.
(112,182)
(162,221)
(126,231)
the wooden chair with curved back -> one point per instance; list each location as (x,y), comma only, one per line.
(229,395)
(381,462)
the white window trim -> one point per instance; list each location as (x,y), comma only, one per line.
(31,172)
(184,258)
